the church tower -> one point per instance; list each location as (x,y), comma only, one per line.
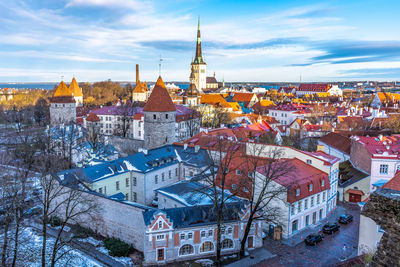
(159,117)
(198,64)
(191,97)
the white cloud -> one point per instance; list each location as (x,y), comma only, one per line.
(131,4)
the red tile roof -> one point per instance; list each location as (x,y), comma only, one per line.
(62,99)
(243,97)
(337,141)
(301,176)
(388,146)
(393,183)
(93,117)
(159,99)
(305,87)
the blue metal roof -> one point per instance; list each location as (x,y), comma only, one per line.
(380,183)
(198,215)
(118,196)
(140,162)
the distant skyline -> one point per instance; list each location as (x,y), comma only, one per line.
(265,41)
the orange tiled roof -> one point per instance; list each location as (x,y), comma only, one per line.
(243,97)
(75,89)
(62,90)
(214,99)
(140,88)
(267,103)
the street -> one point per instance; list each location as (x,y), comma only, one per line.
(327,253)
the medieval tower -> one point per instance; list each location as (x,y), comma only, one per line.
(198,65)
(159,117)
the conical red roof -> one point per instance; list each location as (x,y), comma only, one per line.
(159,100)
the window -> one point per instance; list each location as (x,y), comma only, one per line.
(245,189)
(210,232)
(233,186)
(292,209)
(383,169)
(134,197)
(101,190)
(127,182)
(237,172)
(320,214)
(229,230)
(117,185)
(323,196)
(203,233)
(305,204)
(299,206)
(140,133)
(222,230)
(323,183)
(182,236)
(160,225)
(312,202)
(309,161)
(318,198)
(162,177)
(298,192)
(156,179)
(160,237)
(105,190)
(186,250)
(310,187)
(166,116)
(307,220)
(154,116)
(227,243)
(169,174)
(190,173)
(134,181)
(127,196)
(207,246)
(176,171)
(190,235)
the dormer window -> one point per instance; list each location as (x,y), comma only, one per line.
(310,187)
(309,161)
(298,192)
(323,183)
(237,172)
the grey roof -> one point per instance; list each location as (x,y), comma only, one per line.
(350,173)
(195,216)
(190,193)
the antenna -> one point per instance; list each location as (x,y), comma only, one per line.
(159,66)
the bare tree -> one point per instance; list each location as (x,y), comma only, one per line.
(124,120)
(215,180)
(65,139)
(261,168)
(193,122)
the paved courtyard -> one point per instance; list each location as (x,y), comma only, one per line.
(327,253)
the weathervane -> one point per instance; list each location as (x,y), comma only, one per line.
(159,67)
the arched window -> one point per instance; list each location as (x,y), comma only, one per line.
(207,246)
(186,250)
(154,116)
(227,243)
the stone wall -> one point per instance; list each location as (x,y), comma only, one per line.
(384,208)
(62,113)
(159,131)
(126,146)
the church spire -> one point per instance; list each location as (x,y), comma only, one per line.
(199,57)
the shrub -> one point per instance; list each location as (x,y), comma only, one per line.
(55,221)
(82,232)
(116,247)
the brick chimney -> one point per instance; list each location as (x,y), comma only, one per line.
(137,74)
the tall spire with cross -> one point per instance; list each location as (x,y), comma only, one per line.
(198,59)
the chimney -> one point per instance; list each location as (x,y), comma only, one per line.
(137,74)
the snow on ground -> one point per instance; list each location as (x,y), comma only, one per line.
(124,260)
(30,252)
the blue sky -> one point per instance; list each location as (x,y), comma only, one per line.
(94,40)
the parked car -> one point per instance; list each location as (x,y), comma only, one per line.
(313,239)
(34,210)
(345,218)
(329,228)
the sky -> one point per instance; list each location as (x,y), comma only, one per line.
(265,41)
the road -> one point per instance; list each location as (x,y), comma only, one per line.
(326,253)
